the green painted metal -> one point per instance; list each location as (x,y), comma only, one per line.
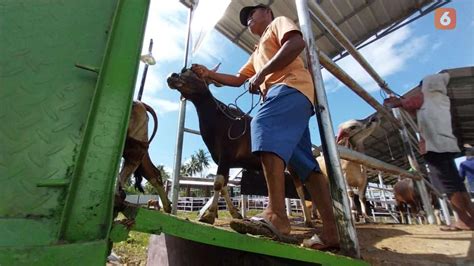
(88,211)
(154,222)
(80,254)
(63,127)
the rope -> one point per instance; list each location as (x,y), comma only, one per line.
(234,113)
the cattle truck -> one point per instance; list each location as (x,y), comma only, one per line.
(67,73)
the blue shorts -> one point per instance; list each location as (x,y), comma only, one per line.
(281,127)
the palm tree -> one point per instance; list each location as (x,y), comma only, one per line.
(202,160)
(198,162)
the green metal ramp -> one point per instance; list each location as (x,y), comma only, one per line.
(154,222)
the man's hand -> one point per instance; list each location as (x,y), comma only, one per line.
(392,102)
(200,70)
(255,82)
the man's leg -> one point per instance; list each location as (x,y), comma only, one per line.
(273,169)
(318,186)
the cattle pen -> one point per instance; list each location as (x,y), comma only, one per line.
(70,68)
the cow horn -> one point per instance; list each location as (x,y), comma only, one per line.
(216,67)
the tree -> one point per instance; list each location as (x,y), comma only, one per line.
(202,160)
(197,163)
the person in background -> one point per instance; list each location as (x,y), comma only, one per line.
(438,145)
(466,169)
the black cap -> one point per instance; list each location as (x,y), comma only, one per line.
(244,12)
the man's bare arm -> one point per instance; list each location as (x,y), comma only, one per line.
(292,46)
(224,79)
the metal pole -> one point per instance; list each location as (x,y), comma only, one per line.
(346,229)
(179,137)
(346,43)
(414,164)
(444,209)
(340,74)
(357,157)
(145,71)
(382,191)
(288,206)
(244,199)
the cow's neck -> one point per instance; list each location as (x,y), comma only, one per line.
(209,118)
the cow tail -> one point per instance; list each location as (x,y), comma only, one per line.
(155,118)
(138,182)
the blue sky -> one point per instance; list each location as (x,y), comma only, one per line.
(402,58)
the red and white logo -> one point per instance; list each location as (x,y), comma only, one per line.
(445,18)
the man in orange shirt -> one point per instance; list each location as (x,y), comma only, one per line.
(279,131)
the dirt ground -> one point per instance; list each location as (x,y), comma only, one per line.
(380,244)
(384,244)
(395,244)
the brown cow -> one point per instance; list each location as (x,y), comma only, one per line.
(227,139)
(135,153)
(406,195)
(153,204)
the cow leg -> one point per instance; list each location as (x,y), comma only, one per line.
(363,200)
(234,211)
(362,194)
(163,196)
(437,214)
(300,191)
(153,175)
(126,171)
(352,205)
(208,213)
(306,211)
(401,210)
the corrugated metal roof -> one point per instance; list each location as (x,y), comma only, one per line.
(358,19)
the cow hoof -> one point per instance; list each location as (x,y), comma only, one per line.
(236,215)
(207,218)
(167,208)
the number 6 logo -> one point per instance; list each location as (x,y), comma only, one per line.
(445,18)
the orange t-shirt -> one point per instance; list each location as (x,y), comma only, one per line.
(294,75)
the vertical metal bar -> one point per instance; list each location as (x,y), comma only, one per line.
(382,191)
(288,206)
(179,137)
(346,229)
(244,199)
(444,209)
(414,164)
(145,71)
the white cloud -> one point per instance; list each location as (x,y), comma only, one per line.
(387,56)
(161,106)
(435,46)
(167,26)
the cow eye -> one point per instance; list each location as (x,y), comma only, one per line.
(352,127)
